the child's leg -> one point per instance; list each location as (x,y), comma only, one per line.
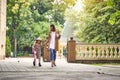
(39,60)
(34,62)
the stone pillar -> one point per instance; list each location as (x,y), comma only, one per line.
(71,57)
(2,28)
(46,55)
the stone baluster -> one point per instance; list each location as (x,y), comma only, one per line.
(95,47)
(78,52)
(92,51)
(89,52)
(115,52)
(81,52)
(107,52)
(118,51)
(99,51)
(102,53)
(111,52)
(85,51)
(109,49)
(94,55)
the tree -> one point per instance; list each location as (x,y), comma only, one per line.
(17,12)
(95,24)
(28,20)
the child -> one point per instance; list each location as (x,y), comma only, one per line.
(36,49)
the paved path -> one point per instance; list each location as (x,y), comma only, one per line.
(22,69)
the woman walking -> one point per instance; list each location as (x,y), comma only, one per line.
(53,38)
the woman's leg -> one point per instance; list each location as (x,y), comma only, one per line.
(52,57)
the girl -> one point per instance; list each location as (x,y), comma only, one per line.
(36,49)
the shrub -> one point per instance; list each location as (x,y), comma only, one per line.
(26,54)
(8,47)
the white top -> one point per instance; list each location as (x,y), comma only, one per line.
(52,40)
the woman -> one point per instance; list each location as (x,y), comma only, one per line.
(36,49)
(53,38)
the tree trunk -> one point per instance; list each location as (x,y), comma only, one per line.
(15,47)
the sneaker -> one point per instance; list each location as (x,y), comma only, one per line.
(39,65)
(33,63)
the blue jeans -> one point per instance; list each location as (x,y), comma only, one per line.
(52,54)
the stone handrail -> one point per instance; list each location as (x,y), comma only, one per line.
(97,51)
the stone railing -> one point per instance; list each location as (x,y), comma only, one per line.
(89,52)
(97,51)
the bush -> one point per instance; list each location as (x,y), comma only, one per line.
(8,47)
(26,54)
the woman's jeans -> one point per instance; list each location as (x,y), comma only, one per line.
(52,54)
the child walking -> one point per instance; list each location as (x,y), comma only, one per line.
(36,50)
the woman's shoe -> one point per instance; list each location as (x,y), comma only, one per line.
(54,64)
(51,65)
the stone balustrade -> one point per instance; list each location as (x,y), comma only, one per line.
(97,51)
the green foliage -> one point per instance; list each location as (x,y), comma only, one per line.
(26,54)
(114,4)
(29,19)
(8,47)
(98,23)
(19,54)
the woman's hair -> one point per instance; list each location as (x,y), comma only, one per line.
(52,25)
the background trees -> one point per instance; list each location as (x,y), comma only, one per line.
(99,22)
(29,19)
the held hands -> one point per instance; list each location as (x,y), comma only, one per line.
(57,33)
